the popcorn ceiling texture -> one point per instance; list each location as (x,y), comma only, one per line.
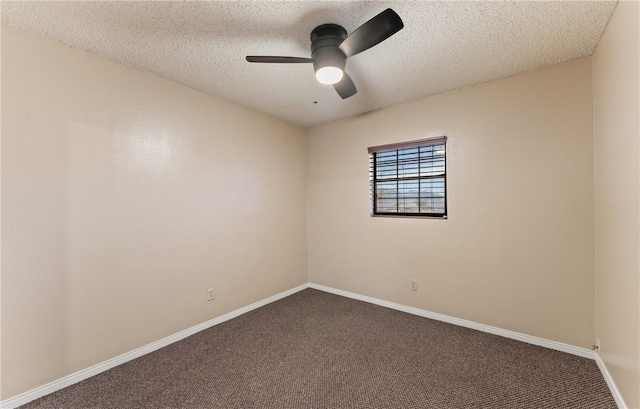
(444,45)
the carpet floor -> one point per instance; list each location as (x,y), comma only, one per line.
(318,350)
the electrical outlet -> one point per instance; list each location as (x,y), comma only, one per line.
(597,345)
(211,294)
(414,285)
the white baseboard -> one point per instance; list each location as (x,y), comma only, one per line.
(612,386)
(111,363)
(136,353)
(558,346)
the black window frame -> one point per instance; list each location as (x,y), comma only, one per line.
(375,179)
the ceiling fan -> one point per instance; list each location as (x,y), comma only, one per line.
(330,48)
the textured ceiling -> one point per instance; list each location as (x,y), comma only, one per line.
(444,45)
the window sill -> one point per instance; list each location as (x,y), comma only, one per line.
(402,216)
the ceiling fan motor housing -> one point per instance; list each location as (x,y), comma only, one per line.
(325,40)
(330,47)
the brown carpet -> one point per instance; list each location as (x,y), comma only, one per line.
(318,350)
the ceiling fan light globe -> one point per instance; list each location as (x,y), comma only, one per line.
(329,75)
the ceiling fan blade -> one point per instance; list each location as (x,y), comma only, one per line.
(373,32)
(345,88)
(279,60)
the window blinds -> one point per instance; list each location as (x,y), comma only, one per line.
(409,178)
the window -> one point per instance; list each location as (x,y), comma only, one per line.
(409,179)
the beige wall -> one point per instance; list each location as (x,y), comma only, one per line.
(127,196)
(616,91)
(517,250)
(124,198)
